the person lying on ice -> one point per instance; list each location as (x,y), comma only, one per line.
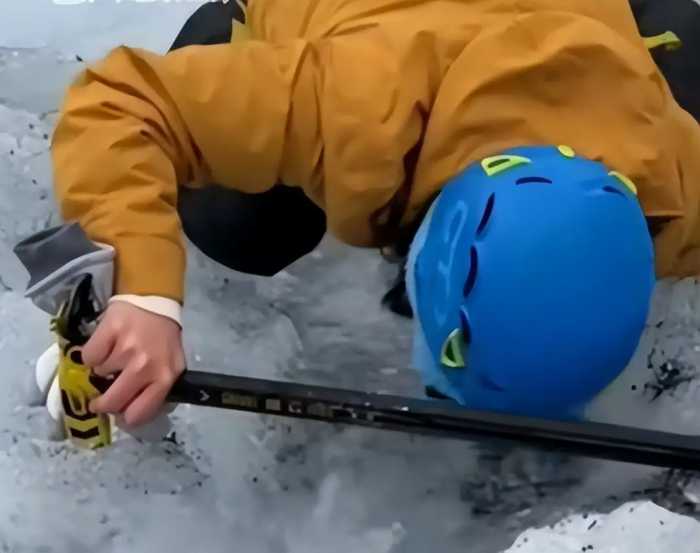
(531,153)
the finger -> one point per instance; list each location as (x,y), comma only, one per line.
(118,359)
(124,389)
(147,405)
(114,364)
(99,347)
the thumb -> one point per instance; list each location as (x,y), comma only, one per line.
(100,345)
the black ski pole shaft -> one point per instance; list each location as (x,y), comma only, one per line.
(436,418)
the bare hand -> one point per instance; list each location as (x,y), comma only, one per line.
(146,352)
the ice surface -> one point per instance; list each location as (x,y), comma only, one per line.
(89,28)
(229,482)
(660,388)
(641,527)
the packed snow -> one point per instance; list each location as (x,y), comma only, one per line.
(627,529)
(224,481)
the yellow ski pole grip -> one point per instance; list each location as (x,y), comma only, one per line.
(84,428)
(70,278)
(77,384)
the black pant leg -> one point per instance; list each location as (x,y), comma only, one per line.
(209,24)
(257,234)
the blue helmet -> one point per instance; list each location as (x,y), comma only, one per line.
(531,279)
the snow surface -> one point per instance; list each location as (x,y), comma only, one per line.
(236,482)
(634,528)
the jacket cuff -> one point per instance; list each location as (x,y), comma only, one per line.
(159,305)
(150,266)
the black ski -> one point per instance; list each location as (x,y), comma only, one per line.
(436,418)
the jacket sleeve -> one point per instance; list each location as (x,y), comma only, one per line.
(137,125)
(337,116)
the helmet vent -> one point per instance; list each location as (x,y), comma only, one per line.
(473,266)
(613,190)
(533,180)
(465,325)
(497,162)
(488,210)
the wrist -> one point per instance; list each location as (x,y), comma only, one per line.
(159,305)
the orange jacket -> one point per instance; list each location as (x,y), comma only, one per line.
(370,106)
